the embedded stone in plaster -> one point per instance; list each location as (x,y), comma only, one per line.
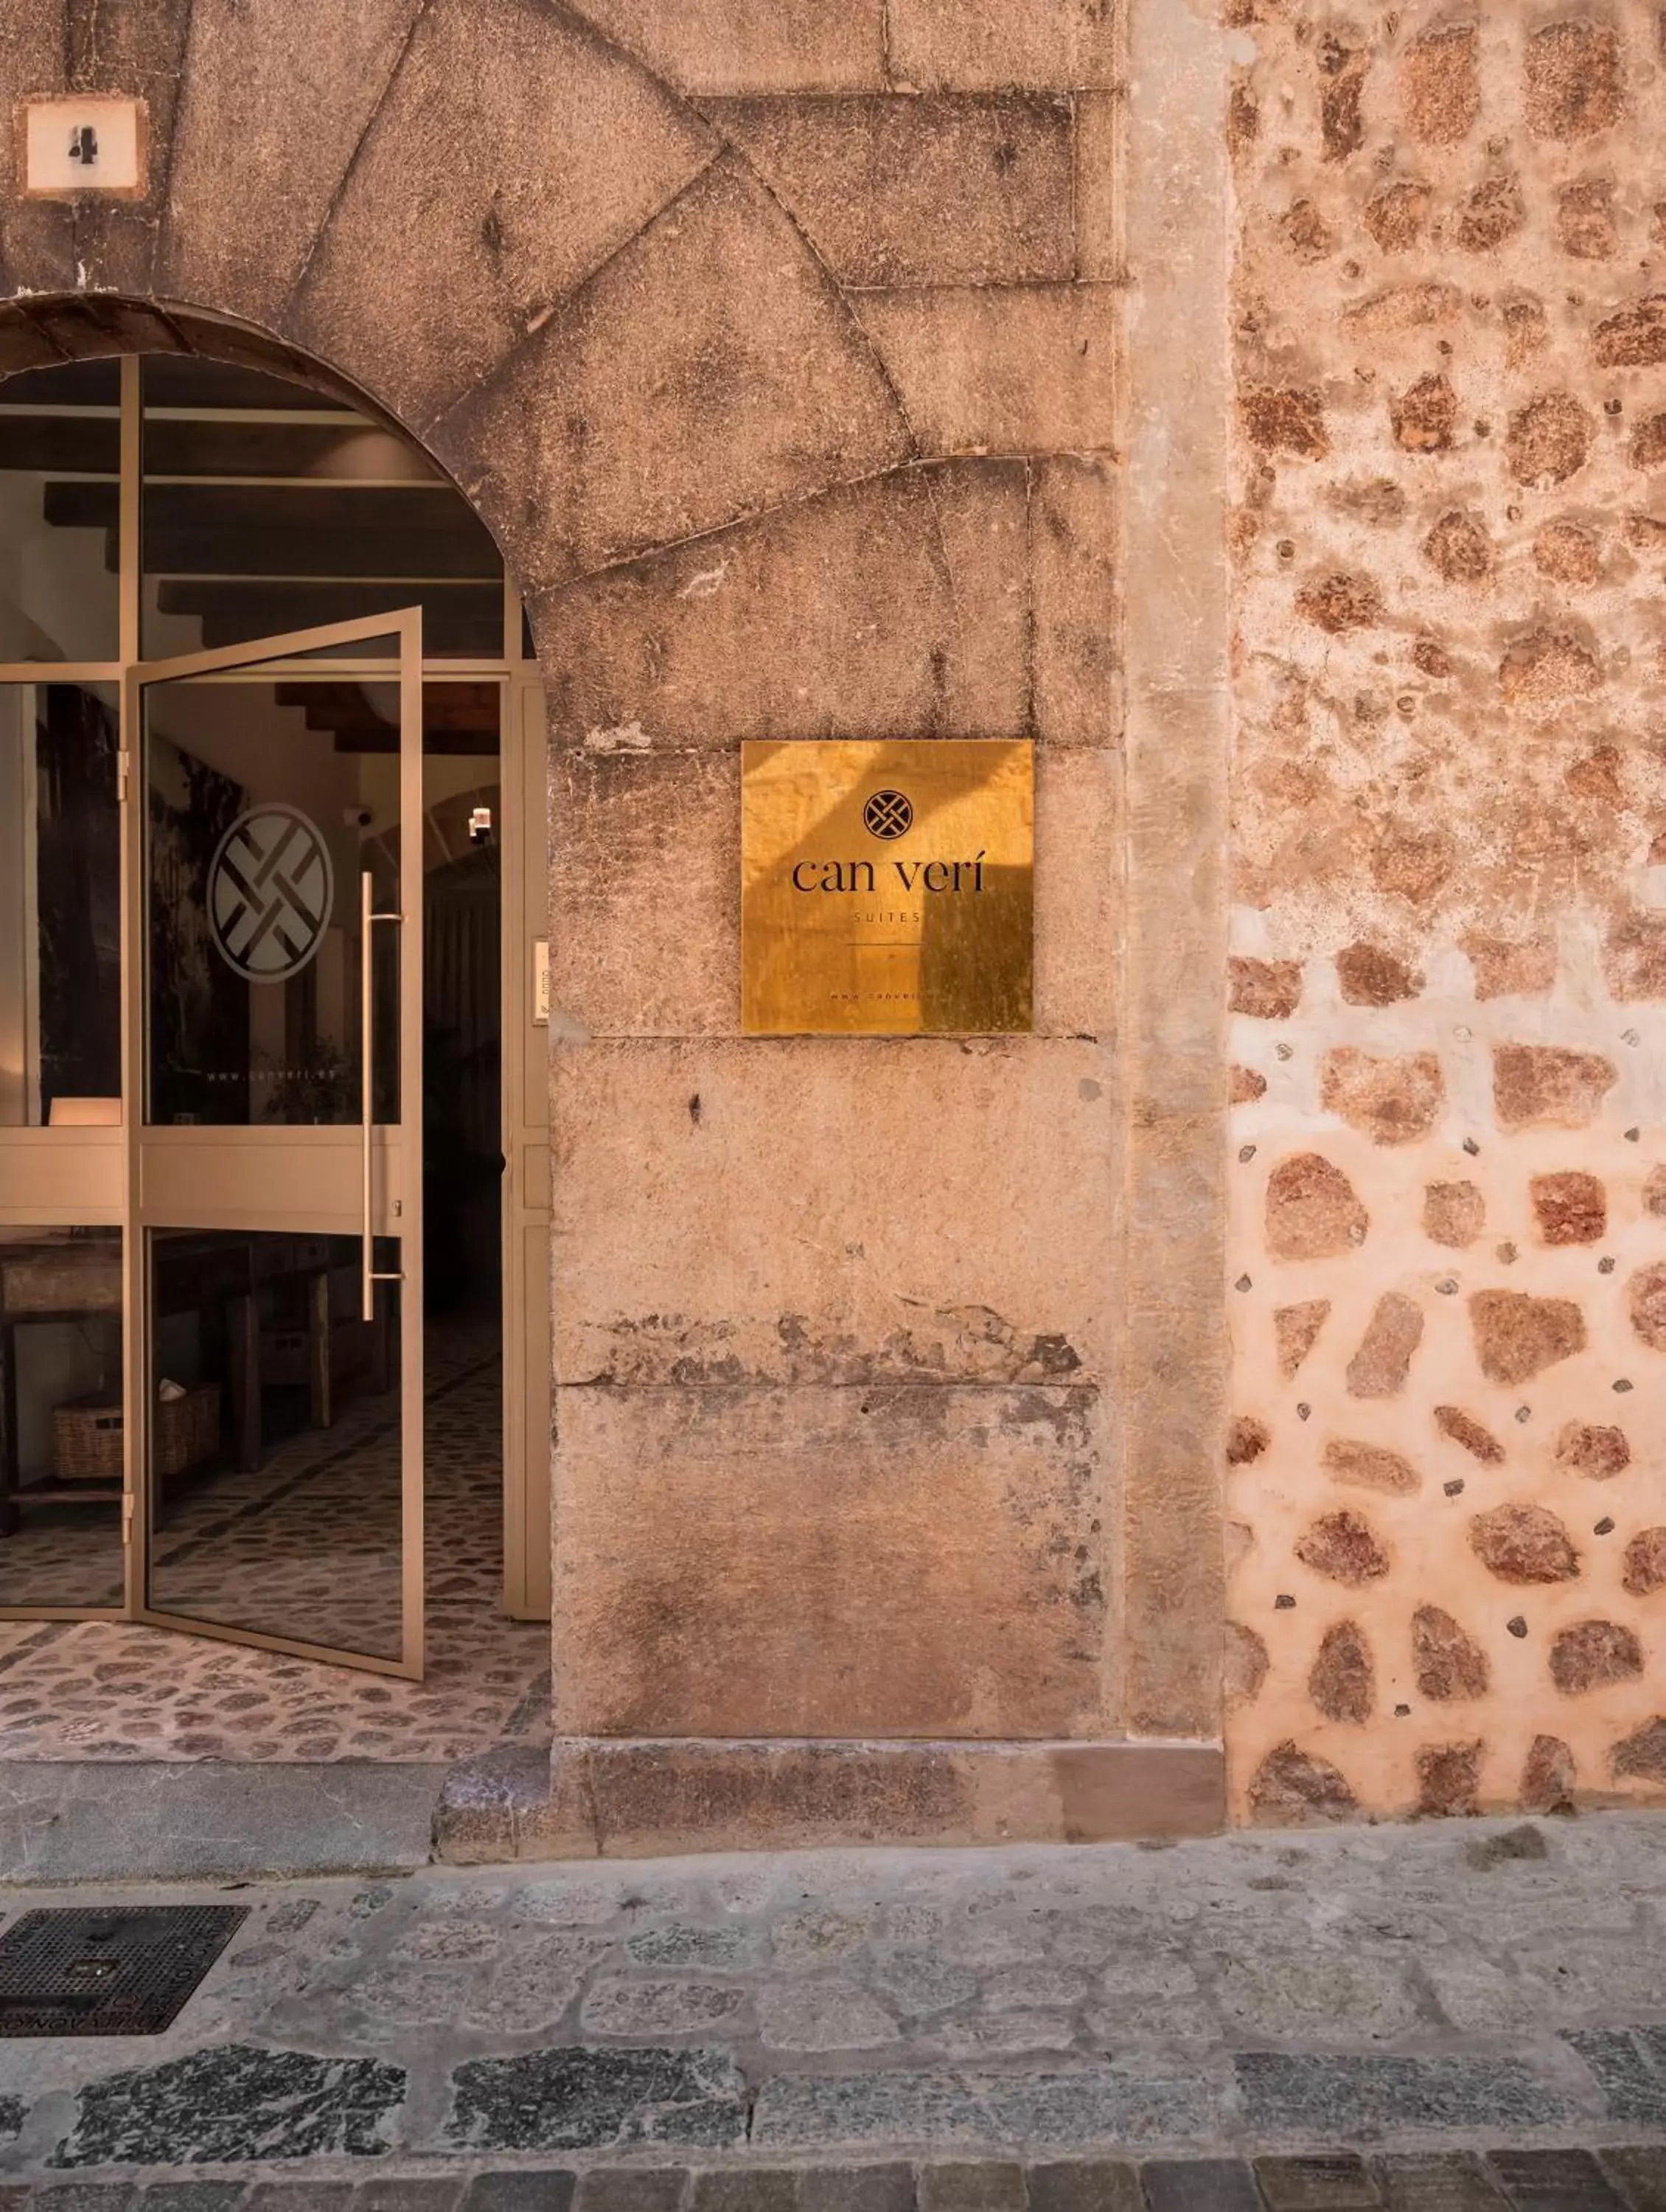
(1342,1548)
(1635,957)
(1440,86)
(1596,1450)
(1596,777)
(1379,1368)
(1570,1207)
(1342,127)
(1635,338)
(1464,1429)
(1393,1101)
(1296,1330)
(1412,864)
(1572,80)
(1459,548)
(1493,213)
(1647,450)
(1370,976)
(1292,1786)
(1449,1664)
(1306,232)
(1245,1663)
(1403,307)
(1376,501)
(1270,990)
(1341,600)
(1643,1754)
(1567,555)
(1549,1085)
(1518,1335)
(1506,968)
(1247,1441)
(1585,226)
(1654,1192)
(1425,415)
(1546,667)
(1277,420)
(1369,1467)
(1342,1680)
(1644,534)
(1548,440)
(1526,331)
(1524,1544)
(1313,1211)
(1448,1780)
(1593,1653)
(1645,1563)
(1548,1776)
(1395,215)
(1454,1213)
(1645,1302)
(1245,1085)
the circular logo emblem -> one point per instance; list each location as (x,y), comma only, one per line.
(888,814)
(269,893)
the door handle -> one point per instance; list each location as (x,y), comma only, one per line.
(369,1276)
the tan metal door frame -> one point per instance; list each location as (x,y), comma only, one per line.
(386,1201)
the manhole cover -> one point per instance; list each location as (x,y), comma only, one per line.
(71,1972)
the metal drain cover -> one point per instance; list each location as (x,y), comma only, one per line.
(71,1971)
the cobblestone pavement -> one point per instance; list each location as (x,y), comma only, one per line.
(734,2031)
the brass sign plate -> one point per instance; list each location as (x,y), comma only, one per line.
(886,887)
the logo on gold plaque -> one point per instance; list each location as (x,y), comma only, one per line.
(885,886)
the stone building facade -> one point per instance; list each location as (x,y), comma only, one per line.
(1257,411)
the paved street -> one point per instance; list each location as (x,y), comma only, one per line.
(747,2028)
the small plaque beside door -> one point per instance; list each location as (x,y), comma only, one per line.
(886,887)
(86,142)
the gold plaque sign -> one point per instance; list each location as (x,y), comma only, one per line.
(886,887)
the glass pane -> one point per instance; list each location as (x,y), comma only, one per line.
(60,1418)
(60,441)
(268,796)
(60,905)
(268,508)
(275,1461)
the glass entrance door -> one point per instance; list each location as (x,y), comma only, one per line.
(272,1044)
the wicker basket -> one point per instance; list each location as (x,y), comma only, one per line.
(87,1434)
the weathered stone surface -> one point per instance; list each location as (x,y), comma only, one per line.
(1395,215)
(1369,1467)
(1643,1754)
(1337,2180)
(1592,1653)
(1645,1563)
(1296,1329)
(1441,85)
(1654,1192)
(1548,1776)
(1572,80)
(1630,2066)
(583,2099)
(1454,1213)
(1635,338)
(1596,1450)
(1370,976)
(1306,2095)
(1585,225)
(1645,1303)
(641,2009)
(1073,554)
(260,103)
(1545,669)
(1342,1548)
(994,370)
(1492,213)
(1247,1662)
(1635,957)
(1341,600)
(752,45)
(1524,1544)
(1245,1085)
(1568,554)
(1393,1101)
(1548,440)
(1449,1664)
(1570,1207)
(1292,1786)
(1312,1210)
(1458,547)
(534,150)
(823,2015)
(1511,967)
(1246,1440)
(1379,1368)
(885,610)
(1279,419)
(674,1508)
(1448,1780)
(1342,1680)
(1423,415)
(1270,990)
(709,370)
(1087,2105)
(1517,1336)
(232,2104)
(950,45)
(910,191)
(1464,1429)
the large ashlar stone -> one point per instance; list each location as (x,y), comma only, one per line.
(967,45)
(515,153)
(904,191)
(1313,1211)
(896,608)
(836,1210)
(1549,1085)
(1524,1544)
(752,45)
(1393,1101)
(709,371)
(1073,551)
(1029,370)
(897,1561)
(267,122)
(1379,1368)
(36,236)
(1517,1336)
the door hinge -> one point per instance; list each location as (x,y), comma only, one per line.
(123,762)
(127,1512)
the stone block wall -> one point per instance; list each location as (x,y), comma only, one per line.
(1448,1174)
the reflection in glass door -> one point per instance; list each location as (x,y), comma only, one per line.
(275,1046)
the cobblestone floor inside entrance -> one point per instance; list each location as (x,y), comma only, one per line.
(298,1542)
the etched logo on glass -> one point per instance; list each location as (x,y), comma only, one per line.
(271,890)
